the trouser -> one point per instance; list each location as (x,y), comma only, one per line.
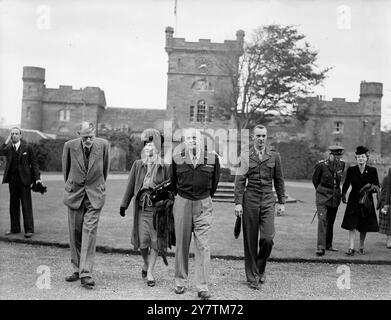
(20,194)
(83,227)
(258,220)
(192,216)
(326,218)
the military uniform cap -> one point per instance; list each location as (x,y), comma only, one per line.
(337,150)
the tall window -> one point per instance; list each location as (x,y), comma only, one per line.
(210,114)
(191,118)
(201,111)
(28,113)
(65,115)
(338,127)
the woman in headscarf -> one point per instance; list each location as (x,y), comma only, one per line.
(360,211)
(145,175)
(385,211)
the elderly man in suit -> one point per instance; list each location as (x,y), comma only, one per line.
(85,165)
(20,173)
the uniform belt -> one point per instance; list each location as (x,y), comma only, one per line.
(328,185)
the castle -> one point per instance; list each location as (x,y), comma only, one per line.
(196,78)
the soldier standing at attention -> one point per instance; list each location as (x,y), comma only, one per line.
(255,203)
(326,180)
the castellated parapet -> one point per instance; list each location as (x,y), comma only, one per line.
(59,110)
(345,123)
(200,79)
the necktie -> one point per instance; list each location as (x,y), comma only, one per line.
(86,157)
(87,152)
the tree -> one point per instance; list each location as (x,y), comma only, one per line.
(277,67)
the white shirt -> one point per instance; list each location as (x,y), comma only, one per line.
(260,153)
(197,156)
(16,145)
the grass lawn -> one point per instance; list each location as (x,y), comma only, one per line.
(295,236)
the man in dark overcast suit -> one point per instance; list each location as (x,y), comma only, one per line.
(20,173)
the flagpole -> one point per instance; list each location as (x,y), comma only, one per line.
(176,16)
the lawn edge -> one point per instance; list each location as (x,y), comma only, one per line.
(108,249)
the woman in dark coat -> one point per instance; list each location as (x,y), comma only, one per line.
(361,217)
(145,175)
(385,211)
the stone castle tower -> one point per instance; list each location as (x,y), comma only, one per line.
(199,74)
(57,110)
(33,92)
(370,101)
(349,124)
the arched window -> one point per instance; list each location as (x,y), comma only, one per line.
(201,111)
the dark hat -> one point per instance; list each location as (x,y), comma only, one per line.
(361,150)
(337,150)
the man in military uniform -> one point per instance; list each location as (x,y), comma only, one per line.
(326,180)
(194,177)
(255,200)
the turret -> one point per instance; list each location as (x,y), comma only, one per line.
(33,90)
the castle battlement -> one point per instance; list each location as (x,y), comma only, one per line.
(180,44)
(66,94)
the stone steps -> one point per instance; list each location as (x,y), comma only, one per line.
(225,193)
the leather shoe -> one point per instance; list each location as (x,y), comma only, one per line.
(361,251)
(143,273)
(332,249)
(179,290)
(204,295)
(320,252)
(28,235)
(151,283)
(262,278)
(87,282)
(350,252)
(254,285)
(73,277)
(10,232)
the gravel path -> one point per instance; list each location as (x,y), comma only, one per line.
(118,277)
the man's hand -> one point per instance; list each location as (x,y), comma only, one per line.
(344,198)
(238,210)
(122,211)
(384,210)
(8,138)
(280,209)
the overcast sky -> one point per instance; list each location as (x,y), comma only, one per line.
(119,45)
